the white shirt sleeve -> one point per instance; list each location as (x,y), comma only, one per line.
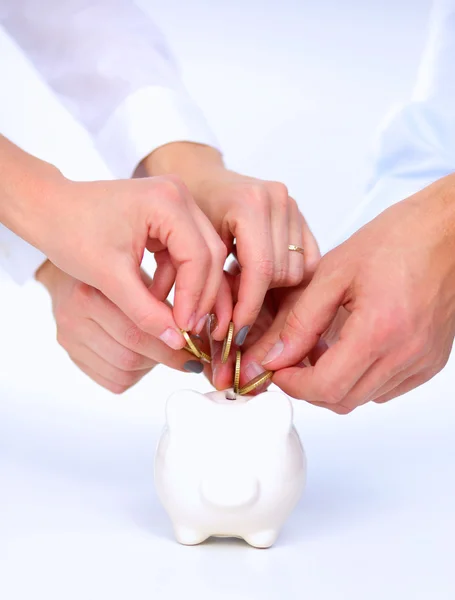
(110,66)
(111,69)
(415,145)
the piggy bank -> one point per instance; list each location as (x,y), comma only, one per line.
(229,467)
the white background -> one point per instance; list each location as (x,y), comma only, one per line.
(295,91)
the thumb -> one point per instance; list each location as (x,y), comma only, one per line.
(306,321)
(131,295)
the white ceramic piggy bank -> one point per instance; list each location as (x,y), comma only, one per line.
(229,468)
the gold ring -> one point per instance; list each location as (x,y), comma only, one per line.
(298,249)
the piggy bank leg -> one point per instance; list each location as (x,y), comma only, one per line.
(262,539)
(188,536)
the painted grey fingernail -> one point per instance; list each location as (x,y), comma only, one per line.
(241,335)
(193,366)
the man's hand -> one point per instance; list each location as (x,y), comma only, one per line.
(260,215)
(101,340)
(383,302)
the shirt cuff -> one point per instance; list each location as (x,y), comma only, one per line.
(18,258)
(151,117)
(383,195)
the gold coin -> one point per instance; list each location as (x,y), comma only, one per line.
(205,357)
(255,383)
(191,347)
(238,359)
(227,343)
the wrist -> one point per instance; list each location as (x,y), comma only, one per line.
(193,163)
(30,191)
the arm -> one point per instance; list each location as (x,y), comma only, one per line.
(119,81)
(111,68)
(97,232)
(379,314)
(415,145)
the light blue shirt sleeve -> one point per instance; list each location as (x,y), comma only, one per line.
(415,145)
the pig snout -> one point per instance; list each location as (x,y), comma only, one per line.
(229,491)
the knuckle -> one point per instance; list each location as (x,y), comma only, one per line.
(172,189)
(280,274)
(266,269)
(294,322)
(116,388)
(220,252)
(130,361)
(389,327)
(419,347)
(255,196)
(279,193)
(124,378)
(134,336)
(62,340)
(293,276)
(330,393)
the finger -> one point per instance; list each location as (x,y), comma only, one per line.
(310,316)
(127,291)
(222,373)
(256,259)
(268,327)
(403,375)
(164,276)
(406,386)
(176,228)
(104,382)
(110,350)
(134,340)
(86,356)
(215,276)
(296,261)
(280,235)
(223,309)
(312,253)
(335,373)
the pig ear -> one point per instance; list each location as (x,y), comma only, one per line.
(186,407)
(272,411)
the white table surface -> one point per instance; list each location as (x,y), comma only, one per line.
(79,516)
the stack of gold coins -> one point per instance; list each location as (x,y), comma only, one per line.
(225,352)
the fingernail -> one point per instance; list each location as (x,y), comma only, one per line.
(201,324)
(253,370)
(214,369)
(213,323)
(274,352)
(172,338)
(241,335)
(191,322)
(193,366)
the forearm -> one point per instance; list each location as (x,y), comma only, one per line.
(188,160)
(27,187)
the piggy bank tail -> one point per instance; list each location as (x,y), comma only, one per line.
(226,492)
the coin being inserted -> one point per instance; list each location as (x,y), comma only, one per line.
(238,360)
(255,383)
(191,347)
(227,343)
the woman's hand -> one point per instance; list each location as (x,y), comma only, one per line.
(260,215)
(97,232)
(100,339)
